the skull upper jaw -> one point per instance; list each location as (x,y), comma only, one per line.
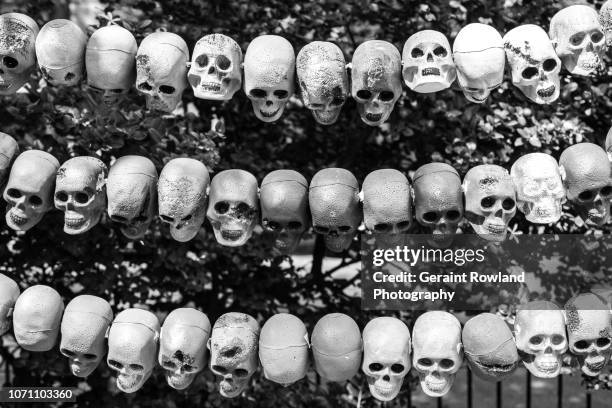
(231,388)
(76,223)
(133,382)
(19,220)
(592,214)
(543,366)
(326,116)
(178,381)
(436,386)
(544,211)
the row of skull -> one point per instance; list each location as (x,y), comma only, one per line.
(161,69)
(385,351)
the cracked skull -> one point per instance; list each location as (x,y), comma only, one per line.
(605,20)
(36,318)
(17,51)
(9,292)
(60,51)
(428,62)
(9,149)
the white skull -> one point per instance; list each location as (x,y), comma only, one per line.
(161,70)
(579,39)
(437,351)
(215,72)
(181,192)
(269,71)
(17,51)
(9,292)
(605,20)
(535,65)
(9,149)
(608,144)
(376,80)
(478,52)
(386,356)
(37,317)
(132,348)
(539,189)
(182,346)
(84,328)
(29,191)
(323,80)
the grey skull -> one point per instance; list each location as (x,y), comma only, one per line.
(17,51)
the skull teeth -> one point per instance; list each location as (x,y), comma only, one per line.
(210,87)
(269,114)
(74,222)
(16,219)
(430,71)
(373,117)
(231,235)
(496,228)
(546,92)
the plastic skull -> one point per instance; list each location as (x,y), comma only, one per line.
(324,84)
(131,189)
(17,51)
(29,190)
(376,80)
(587,176)
(37,317)
(478,52)
(215,71)
(284,208)
(269,72)
(535,65)
(333,197)
(283,349)
(605,20)
(9,292)
(539,189)
(233,352)
(132,348)
(437,351)
(608,144)
(182,346)
(386,356)
(489,347)
(161,70)
(578,39)
(490,200)
(9,149)
(181,193)
(84,328)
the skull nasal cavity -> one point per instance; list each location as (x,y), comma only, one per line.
(231,352)
(179,355)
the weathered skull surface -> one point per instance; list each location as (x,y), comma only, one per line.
(489,347)
(539,189)
(478,52)
(215,72)
(29,190)
(36,318)
(334,204)
(386,356)
(9,149)
(534,63)
(587,176)
(283,349)
(9,292)
(84,328)
(490,200)
(161,70)
(284,208)
(605,20)
(376,80)
(17,51)
(131,189)
(539,329)
(324,84)
(428,62)
(437,351)
(578,39)
(233,352)
(182,346)
(132,348)
(181,192)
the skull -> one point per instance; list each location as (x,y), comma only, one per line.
(269,69)
(587,176)
(215,72)
(233,208)
(17,51)
(36,318)
(535,65)
(605,20)
(386,356)
(132,348)
(579,39)
(437,351)
(336,347)
(233,352)
(489,347)
(29,191)
(161,70)
(608,144)
(324,84)
(283,349)
(9,149)
(9,292)
(479,54)
(376,80)
(131,189)
(110,62)
(84,328)
(284,208)
(539,189)
(181,192)
(182,346)
(490,201)
(334,204)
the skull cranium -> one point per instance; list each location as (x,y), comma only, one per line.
(17,51)
(36,318)
(9,149)
(9,292)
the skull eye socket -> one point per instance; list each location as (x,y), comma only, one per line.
(597,36)
(529,72)
(140,218)
(416,53)
(115,364)
(397,368)
(425,362)
(219,369)
(440,52)
(375,366)
(382,227)
(13,193)
(536,340)
(549,65)
(116,91)
(581,345)
(557,339)
(61,196)
(188,368)
(337,101)
(602,342)
(447,363)
(69,76)
(258,93)
(243,208)
(222,207)
(364,94)
(202,60)
(386,96)
(167,89)
(169,365)
(453,215)
(89,356)
(144,86)
(186,218)
(81,197)
(321,230)
(10,62)
(67,352)
(280,93)
(577,38)
(136,367)
(508,204)
(606,191)
(241,373)
(294,225)
(223,63)
(487,202)
(587,195)
(344,228)
(430,216)
(35,200)
(403,225)
(166,218)
(273,225)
